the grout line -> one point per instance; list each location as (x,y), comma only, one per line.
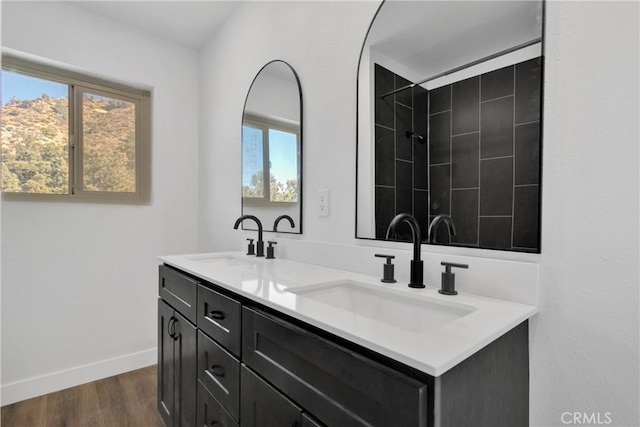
(466,133)
(441,112)
(386,127)
(524,123)
(497,158)
(513,165)
(500,97)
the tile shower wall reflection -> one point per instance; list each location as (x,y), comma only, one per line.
(483,156)
(401,181)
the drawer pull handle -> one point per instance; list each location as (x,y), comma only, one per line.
(216,314)
(217,370)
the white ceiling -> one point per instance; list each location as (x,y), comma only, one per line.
(189,23)
(430,37)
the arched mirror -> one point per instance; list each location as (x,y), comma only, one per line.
(449,121)
(272,148)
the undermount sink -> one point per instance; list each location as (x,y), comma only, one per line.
(411,312)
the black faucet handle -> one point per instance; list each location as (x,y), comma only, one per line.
(251,249)
(448,265)
(388,257)
(449,279)
(270,249)
(387,269)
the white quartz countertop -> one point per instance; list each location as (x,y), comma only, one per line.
(431,346)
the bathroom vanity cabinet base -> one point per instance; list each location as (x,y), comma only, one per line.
(260,367)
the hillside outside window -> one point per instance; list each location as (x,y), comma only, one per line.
(73,137)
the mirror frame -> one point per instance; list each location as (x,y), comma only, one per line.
(300,151)
(542,86)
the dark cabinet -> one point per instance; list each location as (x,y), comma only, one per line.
(210,411)
(307,421)
(250,366)
(219,372)
(264,406)
(219,317)
(177,361)
(338,386)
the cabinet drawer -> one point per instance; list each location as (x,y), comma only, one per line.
(219,316)
(210,412)
(178,290)
(348,389)
(219,371)
(264,406)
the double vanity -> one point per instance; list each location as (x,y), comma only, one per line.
(452,135)
(248,341)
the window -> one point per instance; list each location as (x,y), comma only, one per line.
(271,146)
(70,136)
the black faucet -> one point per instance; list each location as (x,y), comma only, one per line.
(260,243)
(417,268)
(433,227)
(280,218)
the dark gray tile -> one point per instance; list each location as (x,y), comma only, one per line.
(404,120)
(528,153)
(404,187)
(385,209)
(384,107)
(496,134)
(420,111)
(385,157)
(440,138)
(497,84)
(495,233)
(528,90)
(406,96)
(440,189)
(496,186)
(465,160)
(420,154)
(440,99)
(526,217)
(465,106)
(421,211)
(464,212)
(420,168)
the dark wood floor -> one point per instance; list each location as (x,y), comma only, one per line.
(124,400)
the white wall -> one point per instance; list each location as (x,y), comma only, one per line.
(584,343)
(79,281)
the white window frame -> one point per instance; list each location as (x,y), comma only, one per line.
(80,84)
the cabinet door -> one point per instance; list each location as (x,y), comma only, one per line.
(186,370)
(210,412)
(166,373)
(263,406)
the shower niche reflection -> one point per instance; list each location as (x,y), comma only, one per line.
(449,121)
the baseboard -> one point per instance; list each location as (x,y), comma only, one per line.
(33,387)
